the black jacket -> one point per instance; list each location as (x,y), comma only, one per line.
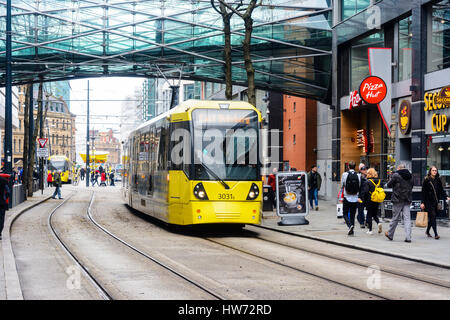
(428,197)
(367,187)
(402,185)
(3,183)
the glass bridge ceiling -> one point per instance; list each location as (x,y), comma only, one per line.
(70,39)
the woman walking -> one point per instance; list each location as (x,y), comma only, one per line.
(49,179)
(369,185)
(432,192)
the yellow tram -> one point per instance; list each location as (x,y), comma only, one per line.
(62,163)
(195,164)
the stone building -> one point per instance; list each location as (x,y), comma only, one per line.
(104,141)
(59,127)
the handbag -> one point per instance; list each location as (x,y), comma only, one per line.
(422,219)
(439,205)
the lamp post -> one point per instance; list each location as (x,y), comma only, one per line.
(87,140)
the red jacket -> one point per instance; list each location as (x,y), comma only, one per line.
(49,177)
(103,176)
(271,181)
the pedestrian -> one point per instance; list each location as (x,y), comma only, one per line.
(402,184)
(273,184)
(368,186)
(361,205)
(5,192)
(82,172)
(103,179)
(351,182)
(49,179)
(314,183)
(432,193)
(111,178)
(57,183)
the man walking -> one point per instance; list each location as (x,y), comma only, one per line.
(57,183)
(361,217)
(314,183)
(351,182)
(402,185)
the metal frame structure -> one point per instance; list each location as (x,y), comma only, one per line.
(70,39)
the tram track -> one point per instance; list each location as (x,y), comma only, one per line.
(383,270)
(153,259)
(444,284)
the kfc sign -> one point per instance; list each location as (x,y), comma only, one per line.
(373,90)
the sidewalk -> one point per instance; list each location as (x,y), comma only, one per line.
(9,279)
(324,225)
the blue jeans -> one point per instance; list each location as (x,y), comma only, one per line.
(360,216)
(313,196)
(57,191)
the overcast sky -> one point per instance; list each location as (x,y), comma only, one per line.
(100,89)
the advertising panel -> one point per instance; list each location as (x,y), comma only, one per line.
(292,196)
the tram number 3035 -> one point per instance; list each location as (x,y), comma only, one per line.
(226,196)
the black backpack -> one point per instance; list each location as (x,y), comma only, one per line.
(352,183)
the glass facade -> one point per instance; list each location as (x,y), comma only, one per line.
(439,43)
(404,47)
(66,39)
(360,58)
(352,7)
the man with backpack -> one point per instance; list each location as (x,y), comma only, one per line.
(351,182)
(402,185)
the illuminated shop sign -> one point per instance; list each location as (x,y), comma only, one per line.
(437,105)
(355,100)
(405,116)
(373,90)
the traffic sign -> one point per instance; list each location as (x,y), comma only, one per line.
(42,142)
(42,152)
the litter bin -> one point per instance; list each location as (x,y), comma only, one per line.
(268,196)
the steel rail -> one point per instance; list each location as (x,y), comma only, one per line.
(158,262)
(102,291)
(366,265)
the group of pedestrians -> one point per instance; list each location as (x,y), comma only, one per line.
(361,190)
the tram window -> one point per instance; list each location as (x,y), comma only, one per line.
(163,148)
(179,148)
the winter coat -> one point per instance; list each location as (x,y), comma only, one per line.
(318,180)
(428,197)
(3,184)
(367,187)
(402,185)
(57,179)
(49,177)
(272,181)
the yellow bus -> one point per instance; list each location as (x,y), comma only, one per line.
(61,163)
(169,174)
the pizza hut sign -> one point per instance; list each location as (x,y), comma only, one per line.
(355,100)
(372,90)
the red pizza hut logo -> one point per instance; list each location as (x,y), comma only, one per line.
(373,90)
(355,100)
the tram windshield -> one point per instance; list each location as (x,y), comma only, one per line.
(225,144)
(58,165)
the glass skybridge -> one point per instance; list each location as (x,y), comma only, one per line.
(69,39)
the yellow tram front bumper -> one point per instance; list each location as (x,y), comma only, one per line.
(248,212)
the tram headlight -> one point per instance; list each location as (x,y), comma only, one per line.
(253,193)
(199,192)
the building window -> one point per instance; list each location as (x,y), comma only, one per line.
(439,40)
(352,7)
(20,145)
(188,91)
(289,123)
(404,48)
(294,139)
(295,106)
(360,59)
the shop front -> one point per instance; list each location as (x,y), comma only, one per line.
(437,124)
